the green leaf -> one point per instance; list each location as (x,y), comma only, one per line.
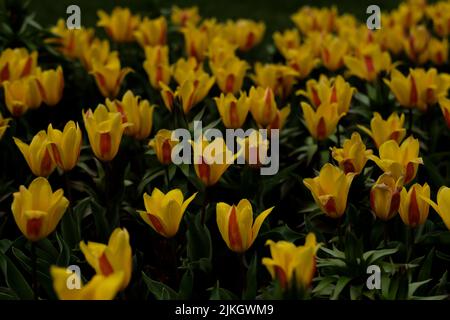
(218,293)
(199,243)
(186,285)
(412,287)
(64,252)
(340,285)
(251,286)
(282,233)
(425,270)
(159,290)
(14,278)
(370,257)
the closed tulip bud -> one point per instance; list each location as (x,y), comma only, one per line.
(37,154)
(302,60)
(109,77)
(368,63)
(322,122)
(105,131)
(385,196)
(230,74)
(262,105)
(291,264)
(51,85)
(196,42)
(157,65)
(163,144)
(65,146)
(384,130)
(279,78)
(236,224)
(165,211)
(96,52)
(233,111)
(21,95)
(288,40)
(330,190)
(16,63)
(98,288)
(152,32)
(413,209)
(401,161)
(136,114)
(353,156)
(444,103)
(333,51)
(184,16)
(442,207)
(120,25)
(112,258)
(3,125)
(37,210)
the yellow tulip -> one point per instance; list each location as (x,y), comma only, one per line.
(165,211)
(413,209)
(157,66)
(256,149)
(322,122)
(163,144)
(211,159)
(196,42)
(152,32)
(136,113)
(236,224)
(333,51)
(444,103)
(244,33)
(21,95)
(439,14)
(184,16)
(105,131)
(230,74)
(51,85)
(330,190)
(278,77)
(385,196)
(187,69)
(288,40)
(302,60)
(280,118)
(353,156)
(390,38)
(65,146)
(289,263)
(17,63)
(415,45)
(438,51)
(233,111)
(97,52)
(401,161)
(442,207)
(3,125)
(107,260)
(120,25)
(37,154)
(109,77)
(309,19)
(98,288)
(408,15)
(406,89)
(71,43)
(262,105)
(435,85)
(37,210)
(384,130)
(368,63)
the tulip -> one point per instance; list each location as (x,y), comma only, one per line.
(244,33)
(256,149)
(413,209)
(333,52)
(165,211)
(406,89)
(187,69)
(280,118)
(401,161)
(108,260)
(37,210)
(289,263)
(322,122)
(65,146)
(37,154)
(17,63)
(438,13)
(3,125)
(163,144)
(442,207)
(288,40)
(385,196)
(416,44)
(330,190)
(211,159)
(309,19)
(21,95)
(302,60)
(152,32)
(220,50)
(444,103)
(279,78)
(136,113)
(233,111)
(385,130)
(71,43)
(369,63)
(51,85)
(435,86)
(120,25)
(438,51)
(230,74)
(390,38)
(353,156)
(236,224)
(97,52)
(196,42)
(98,288)
(184,16)
(262,105)
(157,65)
(105,131)
(109,77)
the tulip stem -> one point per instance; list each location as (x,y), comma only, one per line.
(386,234)
(410,121)
(205,203)
(67,183)
(34,283)
(166,169)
